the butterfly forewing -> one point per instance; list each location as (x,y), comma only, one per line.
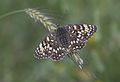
(79,34)
(50,48)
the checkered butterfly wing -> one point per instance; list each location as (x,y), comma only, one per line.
(65,40)
(50,48)
(79,34)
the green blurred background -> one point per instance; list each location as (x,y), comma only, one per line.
(20,35)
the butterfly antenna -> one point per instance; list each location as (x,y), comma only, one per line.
(39,17)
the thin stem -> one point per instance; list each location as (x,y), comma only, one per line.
(11,13)
(76,58)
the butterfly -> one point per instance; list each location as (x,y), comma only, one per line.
(64,40)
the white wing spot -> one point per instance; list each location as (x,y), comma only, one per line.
(86,28)
(43,43)
(62,54)
(74,41)
(71,42)
(88,34)
(50,48)
(76,46)
(45,47)
(82,37)
(59,55)
(58,49)
(79,36)
(48,39)
(73,48)
(69,46)
(81,27)
(51,34)
(77,41)
(43,54)
(82,31)
(79,32)
(69,27)
(48,45)
(63,48)
(41,47)
(54,57)
(85,25)
(49,51)
(73,31)
(54,50)
(75,27)
(52,40)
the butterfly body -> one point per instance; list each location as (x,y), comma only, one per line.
(62,37)
(67,39)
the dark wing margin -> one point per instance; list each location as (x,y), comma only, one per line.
(50,48)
